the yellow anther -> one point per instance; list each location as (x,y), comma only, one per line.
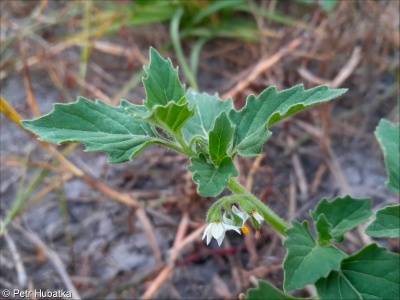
(244,229)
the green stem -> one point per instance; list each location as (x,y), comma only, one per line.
(171,145)
(270,217)
(186,149)
(174,32)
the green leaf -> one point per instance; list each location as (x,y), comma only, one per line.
(328,5)
(343,214)
(388,136)
(170,117)
(251,146)
(305,1)
(162,83)
(220,139)
(269,108)
(305,261)
(208,108)
(323,228)
(100,127)
(372,273)
(135,110)
(386,223)
(212,8)
(211,180)
(266,291)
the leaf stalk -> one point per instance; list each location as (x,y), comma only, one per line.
(186,149)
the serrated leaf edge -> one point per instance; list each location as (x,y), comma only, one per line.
(304,224)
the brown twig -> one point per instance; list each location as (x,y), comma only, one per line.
(148,229)
(347,69)
(299,170)
(307,75)
(19,266)
(168,270)
(259,272)
(336,170)
(182,229)
(38,164)
(262,67)
(54,259)
(318,177)
(343,74)
(9,111)
(253,169)
(65,177)
(325,116)
(156,284)
(331,159)
(188,240)
(27,80)
(120,197)
(292,198)
(221,288)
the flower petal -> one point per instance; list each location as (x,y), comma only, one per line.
(220,239)
(230,227)
(235,210)
(208,237)
(206,231)
(241,214)
(217,230)
(258,217)
(227,220)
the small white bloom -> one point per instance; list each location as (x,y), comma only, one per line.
(257,216)
(244,216)
(217,230)
(241,214)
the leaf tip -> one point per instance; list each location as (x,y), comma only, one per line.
(153,53)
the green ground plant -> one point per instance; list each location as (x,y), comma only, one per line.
(211,133)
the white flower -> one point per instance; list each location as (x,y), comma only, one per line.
(241,214)
(257,216)
(244,216)
(217,230)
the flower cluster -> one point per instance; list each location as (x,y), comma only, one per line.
(218,228)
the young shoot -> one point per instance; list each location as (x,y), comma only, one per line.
(211,133)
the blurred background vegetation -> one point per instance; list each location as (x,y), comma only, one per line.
(71,221)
